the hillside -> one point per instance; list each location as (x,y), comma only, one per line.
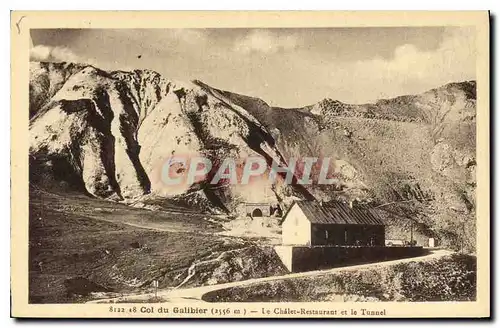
(416,153)
(450,278)
(108,135)
(82,248)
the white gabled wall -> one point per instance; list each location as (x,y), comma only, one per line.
(296,228)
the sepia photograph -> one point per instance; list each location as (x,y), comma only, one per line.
(252,171)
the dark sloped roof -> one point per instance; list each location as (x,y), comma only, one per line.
(339,213)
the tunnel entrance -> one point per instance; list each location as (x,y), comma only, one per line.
(256,210)
(257,213)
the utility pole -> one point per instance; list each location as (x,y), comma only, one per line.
(411,232)
(41,218)
(155,284)
(462,236)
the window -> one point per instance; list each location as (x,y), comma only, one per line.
(326,234)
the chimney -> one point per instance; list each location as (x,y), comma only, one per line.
(321,203)
(351,203)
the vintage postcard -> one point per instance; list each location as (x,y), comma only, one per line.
(250,164)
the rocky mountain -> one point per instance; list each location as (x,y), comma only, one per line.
(109,134)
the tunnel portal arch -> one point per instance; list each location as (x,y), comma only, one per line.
(258,209)
(257,213)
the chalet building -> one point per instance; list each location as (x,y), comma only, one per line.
(311,223)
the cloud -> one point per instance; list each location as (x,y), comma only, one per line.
(54,54)
(265,42)
(454,56)
(190,36)
(409,71)
(159,38)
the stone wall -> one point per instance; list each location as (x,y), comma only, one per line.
(303,258)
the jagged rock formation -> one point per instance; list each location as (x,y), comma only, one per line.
(110,133)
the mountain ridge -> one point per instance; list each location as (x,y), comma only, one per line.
(109,134)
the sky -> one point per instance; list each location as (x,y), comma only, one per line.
(284,67)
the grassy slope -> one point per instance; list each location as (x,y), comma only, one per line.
(80,246)
(68,244)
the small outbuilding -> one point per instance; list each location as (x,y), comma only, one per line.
(312,223)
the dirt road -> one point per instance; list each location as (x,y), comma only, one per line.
(196,294)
